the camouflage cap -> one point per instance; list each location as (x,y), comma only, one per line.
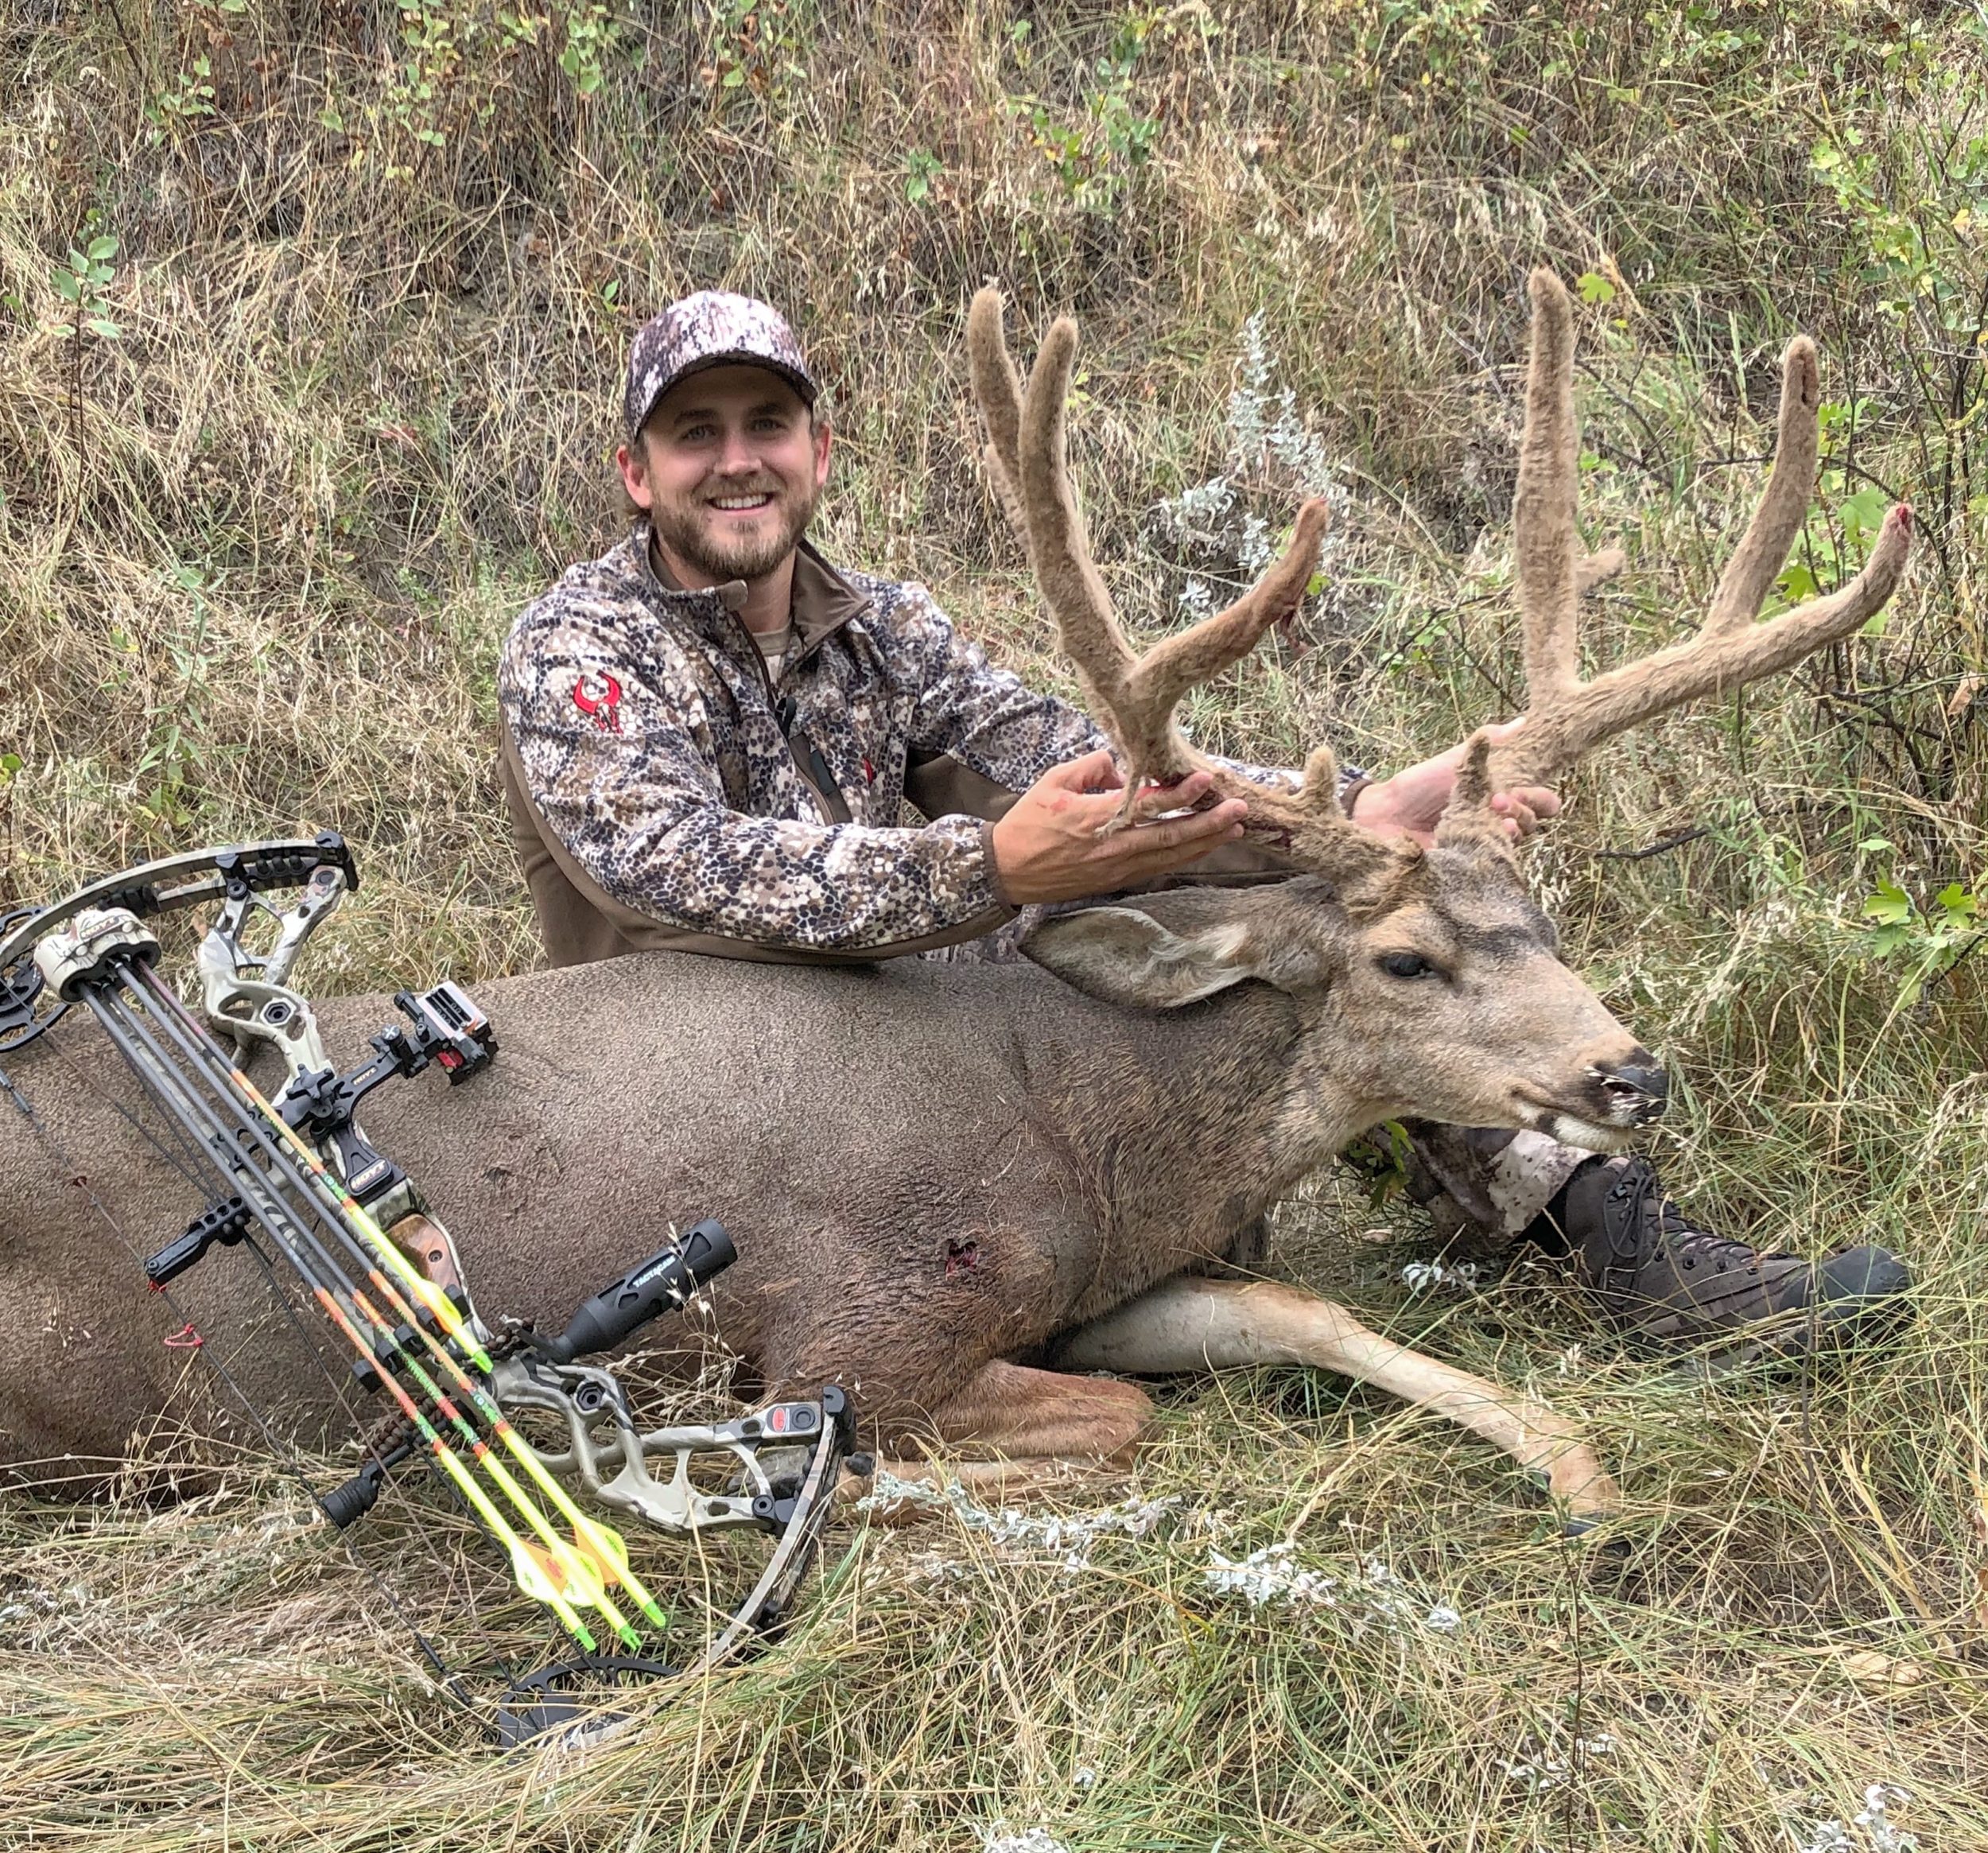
(712,329)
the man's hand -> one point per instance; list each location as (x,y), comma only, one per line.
(1047,847)
(1410,803)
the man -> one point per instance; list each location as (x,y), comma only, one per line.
(710,735)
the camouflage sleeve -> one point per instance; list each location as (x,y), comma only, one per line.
(987,718)
(640,807)
(990,719)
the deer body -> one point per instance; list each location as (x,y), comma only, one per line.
(928,1169)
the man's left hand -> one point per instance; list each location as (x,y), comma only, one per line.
(1411,803)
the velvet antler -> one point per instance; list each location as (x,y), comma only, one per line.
(1133,696)
(1567,717)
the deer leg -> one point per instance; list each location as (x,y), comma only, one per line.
(1044,1428)
(1190,1325)
(1018,1414)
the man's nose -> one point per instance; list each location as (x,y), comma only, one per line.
(736,457)
(1636,1090)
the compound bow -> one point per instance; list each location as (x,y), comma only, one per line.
(298,1171)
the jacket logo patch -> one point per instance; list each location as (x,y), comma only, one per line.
(598,698)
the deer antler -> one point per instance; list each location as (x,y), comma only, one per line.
(1567,717)
(1133,696)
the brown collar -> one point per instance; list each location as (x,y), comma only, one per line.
(824,601)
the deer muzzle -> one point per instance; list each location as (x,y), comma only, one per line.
(1633,1093)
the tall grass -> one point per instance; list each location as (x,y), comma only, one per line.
(375,270)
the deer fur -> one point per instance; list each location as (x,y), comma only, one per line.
(945,1181)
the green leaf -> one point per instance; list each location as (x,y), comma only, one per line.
(98,324)
(9,764)
(1890,906)
(329,118)
(100,248)
(1797,581)
(1595,288)
(1957,903)
(66,286)
(1864,510)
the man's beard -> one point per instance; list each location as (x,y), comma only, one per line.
(744,556)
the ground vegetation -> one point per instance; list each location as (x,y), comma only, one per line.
(311,320)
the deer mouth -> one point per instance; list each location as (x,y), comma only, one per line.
(1629,1095)
(1576,1129)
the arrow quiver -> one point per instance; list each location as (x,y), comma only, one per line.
(296,1177)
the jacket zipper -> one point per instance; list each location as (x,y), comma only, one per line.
(784,711)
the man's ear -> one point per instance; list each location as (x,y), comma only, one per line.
(634,475)
(824,443)
(1122,955)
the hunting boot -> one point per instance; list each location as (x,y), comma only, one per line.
(1658,1273)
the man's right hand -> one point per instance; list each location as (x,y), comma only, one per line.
(1047,847)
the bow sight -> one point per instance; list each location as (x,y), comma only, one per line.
(296,1175)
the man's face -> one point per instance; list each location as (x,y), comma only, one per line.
(729,467)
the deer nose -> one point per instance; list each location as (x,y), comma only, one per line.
(1636,1090)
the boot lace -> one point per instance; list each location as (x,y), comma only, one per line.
(1675,1235)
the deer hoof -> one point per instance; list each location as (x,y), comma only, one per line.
(1579,1485)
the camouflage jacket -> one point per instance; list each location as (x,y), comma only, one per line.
(665,791)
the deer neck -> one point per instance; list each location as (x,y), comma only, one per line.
(1191,1122)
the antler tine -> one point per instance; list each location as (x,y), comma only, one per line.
(1543,528)
(1593,569)
(1468,822)
(998,387)
(1568,718)
(1086,623)
(1625,697)
(1743,586)
(1134,695)
(1176,664)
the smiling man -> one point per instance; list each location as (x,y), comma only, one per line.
(711,736)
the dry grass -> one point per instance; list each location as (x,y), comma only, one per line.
(255,554)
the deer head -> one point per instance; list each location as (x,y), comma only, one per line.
(1425,981)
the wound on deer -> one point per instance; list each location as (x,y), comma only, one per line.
(961,1257)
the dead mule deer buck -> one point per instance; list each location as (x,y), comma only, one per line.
(933,1172)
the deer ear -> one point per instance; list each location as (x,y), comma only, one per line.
(1126,955)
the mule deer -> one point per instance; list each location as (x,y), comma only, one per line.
(934,1170)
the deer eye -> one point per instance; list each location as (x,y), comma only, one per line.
(1407,965)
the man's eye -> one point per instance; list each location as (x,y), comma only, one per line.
(1407,965)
